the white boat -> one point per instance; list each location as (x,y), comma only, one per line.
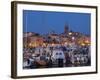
(58,54)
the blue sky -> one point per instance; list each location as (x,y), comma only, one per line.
(43,22)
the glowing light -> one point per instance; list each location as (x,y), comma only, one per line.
(88,44)
(82,44)
(30,44)
(66,43)
(53,44)
(70,33)
(73,38)
(86,41)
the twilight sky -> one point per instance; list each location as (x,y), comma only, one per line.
(46,21)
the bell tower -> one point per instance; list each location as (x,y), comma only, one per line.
(66,29)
